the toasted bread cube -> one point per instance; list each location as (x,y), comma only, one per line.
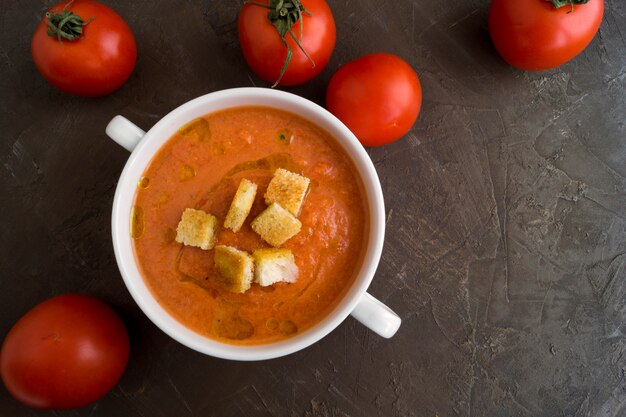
(274,265)
(276,225)
(241,205)
(287,189)
(197,228)
(234,268)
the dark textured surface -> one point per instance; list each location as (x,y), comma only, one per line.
(506,247)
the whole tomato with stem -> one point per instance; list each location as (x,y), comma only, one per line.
(66,352)
(286,42)
(543,34)
(377,96)
(84,48)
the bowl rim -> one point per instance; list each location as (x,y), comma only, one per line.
(144,152)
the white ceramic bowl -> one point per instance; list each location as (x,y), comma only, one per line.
(143,146)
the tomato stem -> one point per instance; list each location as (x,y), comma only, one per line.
(66,24)
(283,15)
(561,3)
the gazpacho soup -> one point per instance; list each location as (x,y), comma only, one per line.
(249,225)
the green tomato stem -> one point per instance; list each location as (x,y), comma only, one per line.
(283,14)
(560,3)
(65,24)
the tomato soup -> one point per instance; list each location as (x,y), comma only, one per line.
(200,167)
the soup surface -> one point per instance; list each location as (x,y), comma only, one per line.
(200,167)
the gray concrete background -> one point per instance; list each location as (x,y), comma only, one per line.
(505,253)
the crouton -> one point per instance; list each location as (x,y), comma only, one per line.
(241,205)
(287,189)
(276,225)
(233,268)
(274,265)
(197,228)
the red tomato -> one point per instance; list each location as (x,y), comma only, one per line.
(534,35)
(66,352)
(378,96)
(97,62)
(265,51)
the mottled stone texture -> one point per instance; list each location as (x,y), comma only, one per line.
(506,237)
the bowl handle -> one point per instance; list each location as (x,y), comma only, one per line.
(376,316)
(124,132)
